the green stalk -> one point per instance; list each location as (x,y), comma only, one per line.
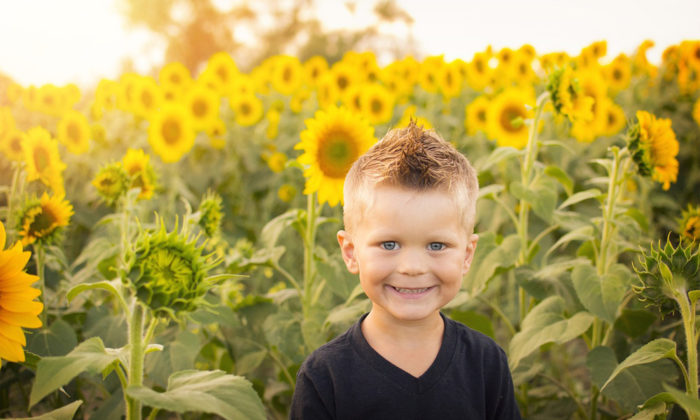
(136,355)
(39,257)
(309,244)
(524,210)
(688,316)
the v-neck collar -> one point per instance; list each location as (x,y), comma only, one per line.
(399,376)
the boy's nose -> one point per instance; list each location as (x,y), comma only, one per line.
(412,263)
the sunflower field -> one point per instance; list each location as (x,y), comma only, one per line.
(167,241)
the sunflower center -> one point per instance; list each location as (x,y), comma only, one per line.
(16,144)
(508,115)
(175,78)
(481,115)
(479,66)
(73,132)
(246,109)
(287,74)
(42,159)
(336,153)
(199,109)
(171,132)
(617,74)
(342,82)
(42,222)
(222,73)
(377,106)
(147,99)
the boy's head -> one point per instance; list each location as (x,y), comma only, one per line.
(415,159)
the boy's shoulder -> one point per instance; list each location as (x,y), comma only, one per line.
(333,352)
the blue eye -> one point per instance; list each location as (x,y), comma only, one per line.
(436,246)
(389,245)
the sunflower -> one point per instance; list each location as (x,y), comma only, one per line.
(618,73)
(567,96)
(331,142)
(554,60)
(689,224)
(106,95)
(277,161)
(203,105)
(476,114)
(111,183)
(138,167)
(592,85)
(12,144)
(377,103)
(296,103)
(223,70)
(287,74)
(450,80)
(327,93)
(170,133)
(314,68)
(352,97)
(640,63)
(74,132)
(17,306)
(42,158)
(506,117)
(216,132)
(286,192)
(521,71)
(342,75)
(273,117)
(654,148)
(615,118)
(147,98)
(41,219)
(478,71)
(175,75)
(429,73)
(248,109)
(127,90)
(50,100)
(210,213)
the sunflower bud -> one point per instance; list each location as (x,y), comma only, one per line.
(111,183)
(210,213)
(168,271)
(667,273)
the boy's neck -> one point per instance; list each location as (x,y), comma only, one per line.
(410,345)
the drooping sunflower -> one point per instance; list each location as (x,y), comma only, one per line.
(41,219)
(377,103)
(331,142)
(592,85)
(506,117)
(654,148)
(141,175)
(18,309)
(567,97)
(111,183)
(248,109)
(287,74)
(42,157)
(12,144)
(476,115)
(74,132)
(203,105)
(210,213)
(170,133)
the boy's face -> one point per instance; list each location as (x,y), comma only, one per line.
(411,250)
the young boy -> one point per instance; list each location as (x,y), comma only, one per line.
(409,214)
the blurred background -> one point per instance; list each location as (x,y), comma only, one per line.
(81,41)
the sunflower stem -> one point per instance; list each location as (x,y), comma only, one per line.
(309,243)
(136,355)
(688,315)
(39,258)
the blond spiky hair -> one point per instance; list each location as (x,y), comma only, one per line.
(411,158)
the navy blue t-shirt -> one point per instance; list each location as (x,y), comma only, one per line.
(347,379)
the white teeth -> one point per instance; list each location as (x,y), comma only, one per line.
(402,290)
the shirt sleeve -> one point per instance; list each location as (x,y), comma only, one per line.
(307,403)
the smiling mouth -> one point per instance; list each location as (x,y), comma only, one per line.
(411,291)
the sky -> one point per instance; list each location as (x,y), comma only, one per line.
(81,41)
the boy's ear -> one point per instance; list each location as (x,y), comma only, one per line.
(347,249)
(471,248)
